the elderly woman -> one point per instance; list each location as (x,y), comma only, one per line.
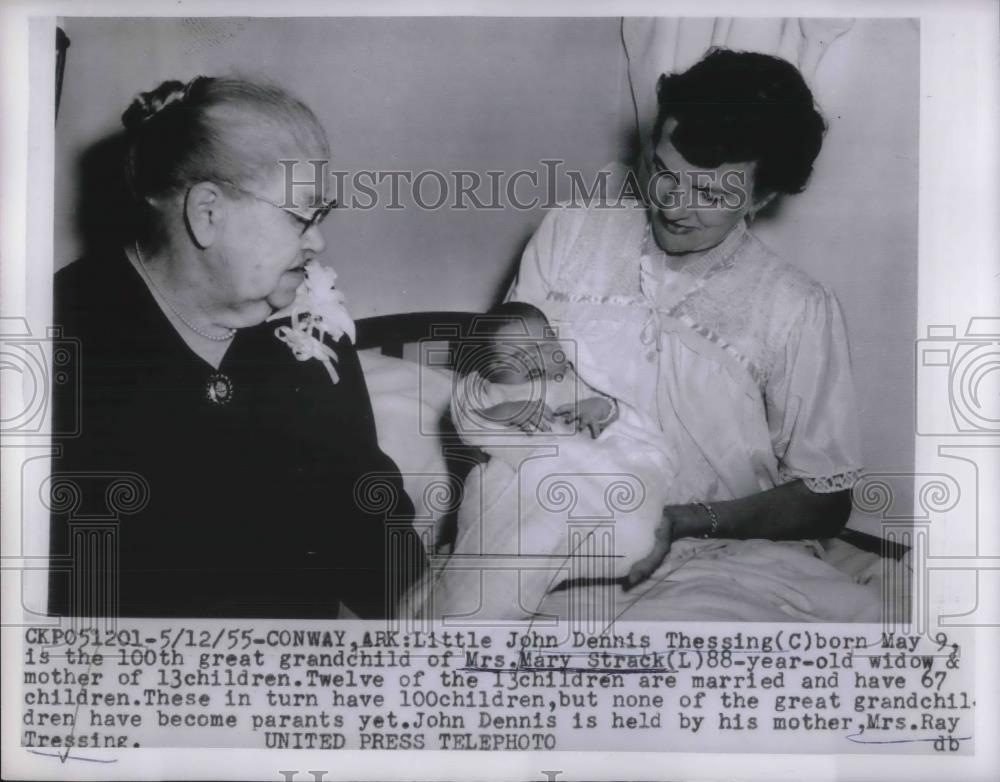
(676,310)
(250,455)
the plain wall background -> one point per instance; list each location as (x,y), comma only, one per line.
(479,94)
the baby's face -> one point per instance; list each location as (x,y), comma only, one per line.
(518,358)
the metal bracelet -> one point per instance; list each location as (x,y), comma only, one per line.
(713,529)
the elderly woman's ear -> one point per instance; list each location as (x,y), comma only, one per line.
(204,213)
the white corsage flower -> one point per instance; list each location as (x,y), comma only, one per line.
(318,310)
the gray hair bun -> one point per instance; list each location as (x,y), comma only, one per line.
(148,104)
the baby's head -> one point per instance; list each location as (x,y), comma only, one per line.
(522,344)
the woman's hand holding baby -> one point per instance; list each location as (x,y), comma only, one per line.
(646,566)
(595,413)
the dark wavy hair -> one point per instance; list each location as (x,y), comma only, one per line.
(736,107)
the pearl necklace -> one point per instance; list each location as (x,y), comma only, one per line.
(230,333)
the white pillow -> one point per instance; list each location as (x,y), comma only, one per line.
(408,401)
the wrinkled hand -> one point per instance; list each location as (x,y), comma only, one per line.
(646,566)
(591,413)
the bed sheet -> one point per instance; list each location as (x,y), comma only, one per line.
(753,580)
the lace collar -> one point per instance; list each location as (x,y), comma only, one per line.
(653,265)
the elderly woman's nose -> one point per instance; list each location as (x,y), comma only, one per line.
(313,240)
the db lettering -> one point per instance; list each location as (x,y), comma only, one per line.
(947,744)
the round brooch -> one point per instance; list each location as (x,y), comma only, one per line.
(219,389)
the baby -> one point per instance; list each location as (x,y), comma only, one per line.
(550,493)
(525,379)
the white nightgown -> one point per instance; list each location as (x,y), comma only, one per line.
(742,359)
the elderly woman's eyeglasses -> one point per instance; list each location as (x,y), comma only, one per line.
(318,216)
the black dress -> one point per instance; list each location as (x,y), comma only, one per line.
(254,490)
